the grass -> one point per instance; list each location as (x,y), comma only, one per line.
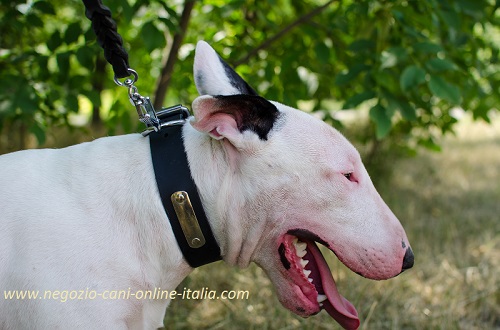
(449,204)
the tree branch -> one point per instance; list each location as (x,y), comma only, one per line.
(166,72)
(267,43)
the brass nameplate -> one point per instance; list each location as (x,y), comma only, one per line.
(187,219)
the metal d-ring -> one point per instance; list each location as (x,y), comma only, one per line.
(127,82)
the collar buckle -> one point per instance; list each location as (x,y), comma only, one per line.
(166,117)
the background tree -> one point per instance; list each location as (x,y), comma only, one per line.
(409,62)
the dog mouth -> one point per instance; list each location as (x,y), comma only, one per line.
(308,269)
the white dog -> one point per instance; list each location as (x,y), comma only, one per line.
(273,181)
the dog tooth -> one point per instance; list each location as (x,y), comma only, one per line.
(303,262)
(321,298)
(301,254)
(306,272)
(310,280)
(295,241)
(301,246)
(320,304)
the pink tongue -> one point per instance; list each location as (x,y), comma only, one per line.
(337,306)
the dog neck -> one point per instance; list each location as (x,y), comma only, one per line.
(222,197)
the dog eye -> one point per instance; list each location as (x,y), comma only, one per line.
(348,176)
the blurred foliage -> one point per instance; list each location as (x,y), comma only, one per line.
(409,62)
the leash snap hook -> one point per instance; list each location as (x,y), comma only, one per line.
(143,105)
(154,120)
(144,108)
(127,82)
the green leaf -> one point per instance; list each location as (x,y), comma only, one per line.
(387,80)
(354,71)
(86,57)
(476,9)
(451,18)
(172,27)
(63,63)
(42,64)
(430,144)
(72,33)
(427,47)
(171,11)
(152,37)
(34,20)
(362,45)
(379,116)
(44,7)
(76,81)
(93,96)
(39,131)
(26,99)
(54,41)
(444,90)
(322,52)
(357,99)
(407,111)
(71,103)
(411,77)
(438,64)
(482,111)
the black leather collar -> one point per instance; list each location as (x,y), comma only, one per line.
(173,174)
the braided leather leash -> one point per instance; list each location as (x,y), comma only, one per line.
(108,37)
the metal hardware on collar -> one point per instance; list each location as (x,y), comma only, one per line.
(187,219)
(154,120)
(143,105)
(174,179)
(172,116)
(127,82)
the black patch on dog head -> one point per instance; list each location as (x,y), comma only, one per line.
(306,234)
(251,112)
(284,260)
(237,82)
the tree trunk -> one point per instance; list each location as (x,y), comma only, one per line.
(171,59)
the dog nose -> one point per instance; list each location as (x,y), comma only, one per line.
(408,259)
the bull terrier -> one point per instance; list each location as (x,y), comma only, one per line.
(273,182)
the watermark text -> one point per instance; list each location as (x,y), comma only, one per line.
(156,293)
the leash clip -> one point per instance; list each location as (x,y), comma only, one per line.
(153,120)
(143,105)
(144,108)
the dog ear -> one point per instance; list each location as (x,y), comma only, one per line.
(229,116)
(213,76)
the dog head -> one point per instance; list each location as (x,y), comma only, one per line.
(284,182)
